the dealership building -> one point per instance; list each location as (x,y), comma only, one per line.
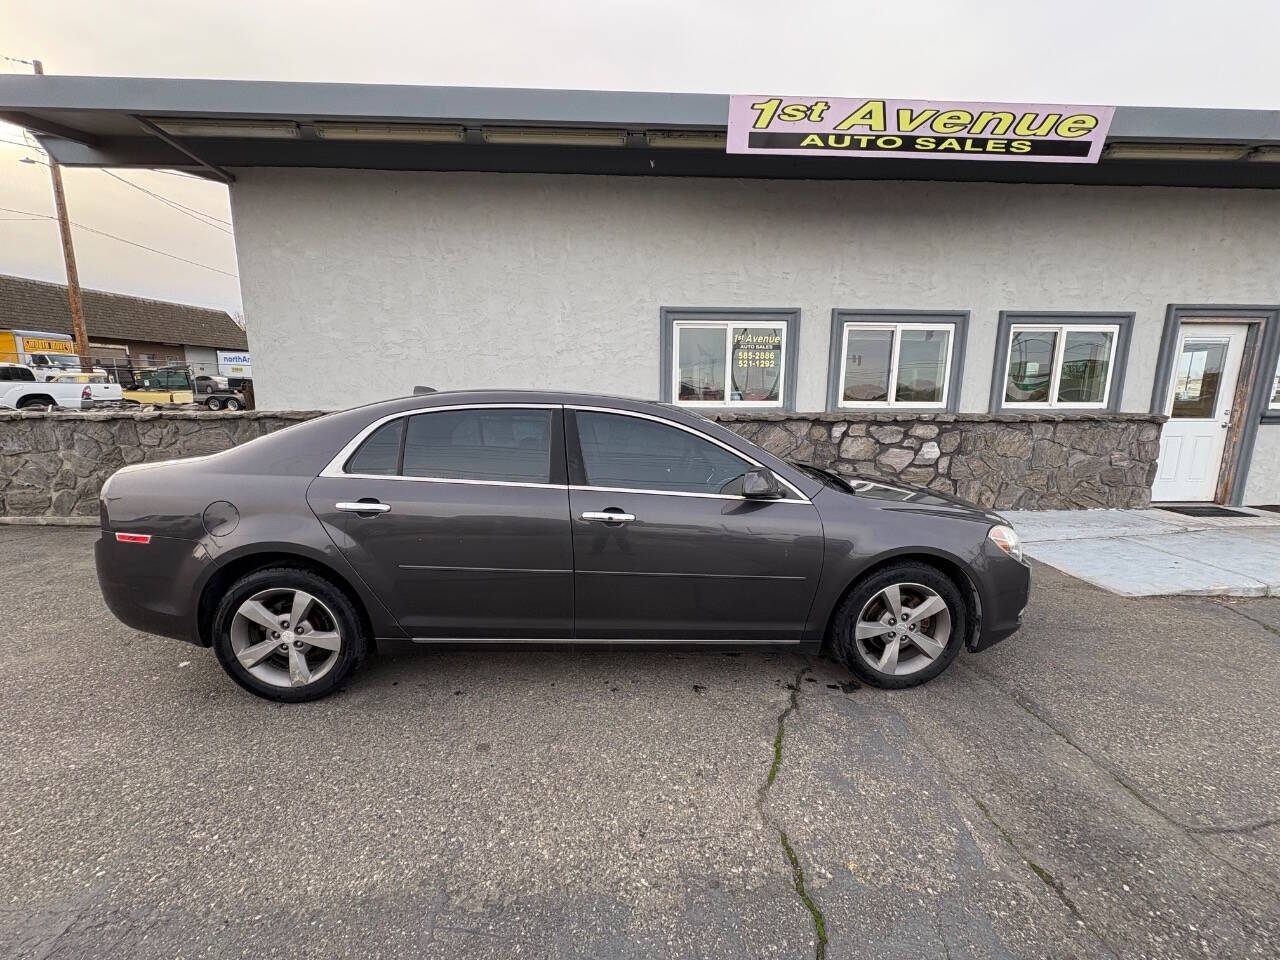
(643,245)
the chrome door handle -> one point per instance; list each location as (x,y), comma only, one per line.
(605,516)
(348,506)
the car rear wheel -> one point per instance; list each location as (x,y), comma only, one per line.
(233,403)
(287,634)
(901,626)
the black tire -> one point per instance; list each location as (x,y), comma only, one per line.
(233,404)
(38,403)
(342,606)
(213,403)
(844,644)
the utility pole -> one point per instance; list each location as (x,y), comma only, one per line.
(79,334)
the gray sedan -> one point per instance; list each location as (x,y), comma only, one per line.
(527,517)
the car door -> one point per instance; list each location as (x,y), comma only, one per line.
(466,532)
(665,549)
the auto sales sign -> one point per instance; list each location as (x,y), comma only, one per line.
(929,129)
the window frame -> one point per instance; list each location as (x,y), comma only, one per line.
(1064,323)
(842,319)
(336,468)
(673,319)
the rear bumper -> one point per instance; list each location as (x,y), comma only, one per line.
(1005,592)
(149,586)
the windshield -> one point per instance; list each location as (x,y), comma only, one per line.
(64,360)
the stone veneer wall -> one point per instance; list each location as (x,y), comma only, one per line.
(53,464)
(1038,461)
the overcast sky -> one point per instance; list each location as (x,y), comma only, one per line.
(1152,52)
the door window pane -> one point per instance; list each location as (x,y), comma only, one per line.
(1086,365)
(1030,366)
(379,455)
(701,362)
(1196,379)
(867,359)
(757,363)
(637,454)
(511,445)
(922,365)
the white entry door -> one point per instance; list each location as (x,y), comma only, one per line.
(1202,390)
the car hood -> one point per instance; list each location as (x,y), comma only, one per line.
(908,497)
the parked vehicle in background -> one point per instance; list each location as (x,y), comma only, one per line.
(224,401)
(47,354)
(521,516)
(20,390)
(161,386)
(104,390)
(209,384)
(16,373)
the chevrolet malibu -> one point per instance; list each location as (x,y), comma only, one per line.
(527,517)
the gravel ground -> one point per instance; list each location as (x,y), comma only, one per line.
(1104,784)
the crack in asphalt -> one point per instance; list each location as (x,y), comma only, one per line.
(797,872)
(1030,707)
(1045,877)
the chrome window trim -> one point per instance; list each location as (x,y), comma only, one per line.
(682,493)
(462,480)
(697,433)
(334,467)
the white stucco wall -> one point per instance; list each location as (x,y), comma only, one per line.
(1263,484)
(359,284)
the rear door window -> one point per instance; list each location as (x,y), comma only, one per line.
(507,445)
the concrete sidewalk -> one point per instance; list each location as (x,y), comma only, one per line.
(1143,553)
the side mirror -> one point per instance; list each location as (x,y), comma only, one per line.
(759,483)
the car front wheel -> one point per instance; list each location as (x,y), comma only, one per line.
(287,634)
(901,626)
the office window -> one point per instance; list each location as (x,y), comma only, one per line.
(903,364)
(1052,366)
(732,358)
(896,359)
(1052,361)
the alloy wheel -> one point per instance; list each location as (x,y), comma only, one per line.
(285,637)
(903,629)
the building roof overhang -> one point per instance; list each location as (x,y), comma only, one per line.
(192,125)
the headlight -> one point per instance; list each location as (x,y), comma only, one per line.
(1006,538)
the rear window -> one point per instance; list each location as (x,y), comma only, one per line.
(17,373)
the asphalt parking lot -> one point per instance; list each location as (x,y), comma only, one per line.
(1104,784)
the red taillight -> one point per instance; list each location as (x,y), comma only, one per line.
(86,394)
(133,537)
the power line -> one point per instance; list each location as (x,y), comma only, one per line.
(198,215)
(132,243)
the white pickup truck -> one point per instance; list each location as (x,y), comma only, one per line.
(20,390)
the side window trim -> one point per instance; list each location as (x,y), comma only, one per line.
(336,468)
(578,474)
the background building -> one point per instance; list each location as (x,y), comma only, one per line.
(144,332)
(465,237)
